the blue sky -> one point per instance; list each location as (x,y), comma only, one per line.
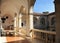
(43,6)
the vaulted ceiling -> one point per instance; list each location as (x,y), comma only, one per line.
(11,7)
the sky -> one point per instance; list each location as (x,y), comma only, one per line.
(43,6)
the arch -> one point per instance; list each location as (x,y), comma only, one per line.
(53,21)
(42,21)
(31,9)
(22,18)
(34,20)
(22,9)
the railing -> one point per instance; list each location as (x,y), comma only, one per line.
(8,32)
(46,36)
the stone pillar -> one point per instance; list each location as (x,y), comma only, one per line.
(31,24)
(20,20)
(31,19)
(0,26)
(16,22)
(27,24)
(57,12)
(0,23)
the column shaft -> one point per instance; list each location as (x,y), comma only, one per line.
(57,8)
(20,20)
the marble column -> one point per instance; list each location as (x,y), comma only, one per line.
(57,12)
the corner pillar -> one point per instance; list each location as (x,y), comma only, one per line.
(57,12)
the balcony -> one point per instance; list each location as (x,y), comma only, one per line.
(45,36)
(38,36)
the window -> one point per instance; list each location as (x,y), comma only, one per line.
(53,21)
(34,20)
(42,21)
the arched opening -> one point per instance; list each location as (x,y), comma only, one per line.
(41,6)
(22,17)
(42,21)
(34,20)
(53,21)
(22,20)
(45,6)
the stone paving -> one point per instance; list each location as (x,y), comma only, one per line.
(19,40)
